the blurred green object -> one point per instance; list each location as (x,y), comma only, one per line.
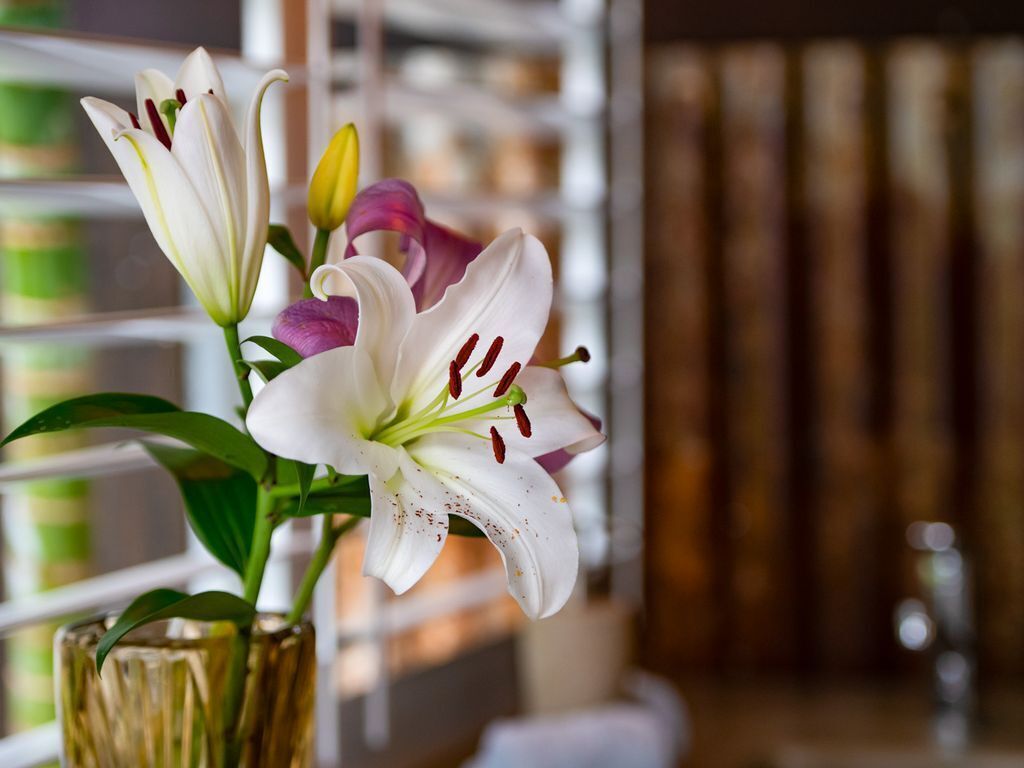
(43,276)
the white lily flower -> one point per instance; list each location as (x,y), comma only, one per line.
(392,407)
(202,188)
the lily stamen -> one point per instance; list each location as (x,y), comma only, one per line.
(498,445)
(180,94)
(454,380)
(135,121)
(507,379)
(491,357)
(467,349)
(408,429)
(522,420)
(159,129)
(581,355)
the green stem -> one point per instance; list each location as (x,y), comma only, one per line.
(240,368)
(321,558)
(318,258)
(260,552)
(320,484)
(234,693)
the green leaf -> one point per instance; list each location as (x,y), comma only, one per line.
(220,501)
(277,348)
(305,473)
(149,414)
(351,498)
(280,239)
(460,526)
(265,369)
(162,604)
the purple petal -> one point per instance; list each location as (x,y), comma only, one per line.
(556,460)
(312,326)
(394,206)
(435,256)
(448,255)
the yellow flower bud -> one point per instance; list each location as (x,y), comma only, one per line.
(334,182)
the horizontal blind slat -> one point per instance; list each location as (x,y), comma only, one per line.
(98,460)
(93,196)
(545,117)
(28,749)
(121,586)
(161,324)
(416,609)
(104,65)
(533,26)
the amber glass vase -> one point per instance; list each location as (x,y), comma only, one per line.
(160,701)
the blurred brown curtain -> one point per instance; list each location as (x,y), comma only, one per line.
(835,345)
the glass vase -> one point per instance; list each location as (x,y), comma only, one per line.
(160,700)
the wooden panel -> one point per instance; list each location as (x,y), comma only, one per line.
(679,536)
(999,209)
(754,260)
(835,200)
(836,346)
(919,76)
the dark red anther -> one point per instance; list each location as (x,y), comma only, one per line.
(498,445)
(454,380)
(491,356)
(467,349)
(583,354)
(522,420)
(180,95)
(159,129)
(135,121)
(507,379)
(210,91)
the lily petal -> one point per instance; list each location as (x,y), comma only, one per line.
(448,255)
(506,291)
(436,256)
(207,147)
(519,508)
(556,461)
(198,74)
(257,191)
(391,205)
(408,525)
(312,326)
(152,84)
(295,416)
(386,307)
(173,211)
(557,421)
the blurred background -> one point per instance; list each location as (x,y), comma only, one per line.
(792,238)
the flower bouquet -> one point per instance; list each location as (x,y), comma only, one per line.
(411,398)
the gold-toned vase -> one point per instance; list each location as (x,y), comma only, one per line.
(160,701)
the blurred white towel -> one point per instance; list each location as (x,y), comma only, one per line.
(650,733)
